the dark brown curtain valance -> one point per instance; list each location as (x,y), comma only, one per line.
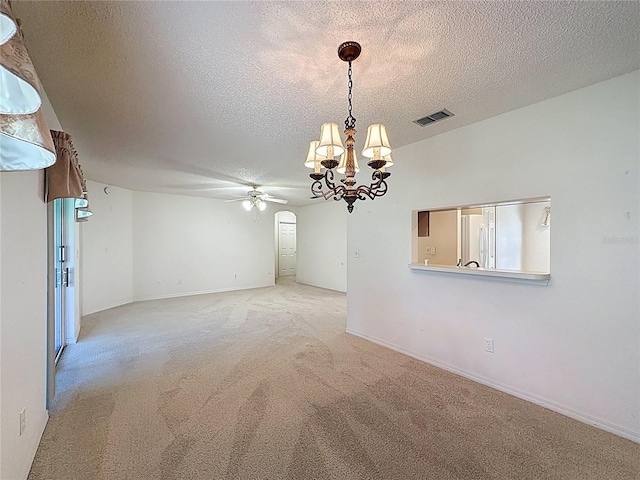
(64,179)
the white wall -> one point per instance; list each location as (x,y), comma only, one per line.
(571,345)
(322,245)
(23,319)
(187,245)
(141,246)
(107,249)
(23,313)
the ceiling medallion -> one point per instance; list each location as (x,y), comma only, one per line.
(323,153)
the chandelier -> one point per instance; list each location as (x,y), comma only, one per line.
(323,153)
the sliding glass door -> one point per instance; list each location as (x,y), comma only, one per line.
(61,297)
(61,275)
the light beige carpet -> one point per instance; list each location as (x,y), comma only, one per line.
(266,384)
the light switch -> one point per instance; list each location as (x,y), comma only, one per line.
(433,250)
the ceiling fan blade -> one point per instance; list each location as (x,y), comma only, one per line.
(235,200)
(197,187)
(275,200)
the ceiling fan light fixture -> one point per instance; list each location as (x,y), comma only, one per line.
(257,199)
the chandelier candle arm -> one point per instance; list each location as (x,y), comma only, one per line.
(377,188)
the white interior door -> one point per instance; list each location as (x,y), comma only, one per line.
(287,254)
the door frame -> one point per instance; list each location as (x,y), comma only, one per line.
(51,307)
(276,254)
(295,247)
(70,321)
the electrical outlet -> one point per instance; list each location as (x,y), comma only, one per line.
(23,420)
(179,281)
(488,345)
(428,250)
(356,253)
(159,283)
(433,250)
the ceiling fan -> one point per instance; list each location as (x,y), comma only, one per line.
(257,199)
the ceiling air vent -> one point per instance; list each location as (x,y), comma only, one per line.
(434,117)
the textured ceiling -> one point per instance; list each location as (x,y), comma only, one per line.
(204,98)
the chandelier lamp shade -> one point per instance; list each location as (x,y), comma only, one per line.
(388,161)
(24,135)
(8,24)
(313,159)
(330,144)
(377,143)
(322,154)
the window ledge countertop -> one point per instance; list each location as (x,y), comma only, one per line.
(536,277)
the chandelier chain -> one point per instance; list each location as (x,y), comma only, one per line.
(350,122)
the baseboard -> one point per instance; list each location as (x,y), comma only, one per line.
(201,292)
(320,286)
(35,443)
(541,401)
(182,294)
(107,307)
(72,339)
